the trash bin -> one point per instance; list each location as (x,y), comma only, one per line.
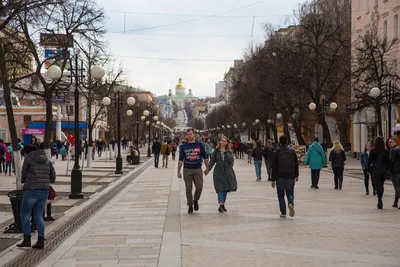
(16,201)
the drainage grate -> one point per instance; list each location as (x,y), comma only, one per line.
(31,258)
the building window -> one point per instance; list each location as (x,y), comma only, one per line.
(69,110)
(27,118)
(385,29)
(396,27)
(3,134)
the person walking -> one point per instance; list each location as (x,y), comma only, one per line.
(249,149)
(173,149)
(224,176)
(37,174)
(165,151)
(378,165)
(285,173)
(257,154)
(338,159)
(268,150)
(364,166)
(9,160)
(191,155)
(316,160)
(394,168)
(209,148)
(156,149)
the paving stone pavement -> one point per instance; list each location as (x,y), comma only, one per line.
(147,225)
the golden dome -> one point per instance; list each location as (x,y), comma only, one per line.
(180,84)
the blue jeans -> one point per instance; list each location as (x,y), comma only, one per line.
(315,177)
(257,164)
(33,200)
(8,167)
(285,186)
(222,197)
(156,159)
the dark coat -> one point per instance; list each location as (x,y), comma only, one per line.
(337,158)
(224,175)
(37,171)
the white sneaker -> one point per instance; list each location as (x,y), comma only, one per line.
(283,216)
(291,210)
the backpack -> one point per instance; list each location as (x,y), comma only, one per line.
(286,164)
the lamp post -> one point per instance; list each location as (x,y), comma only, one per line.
(146,113)
(97,73)
(269,122)
(106,101)
(236,129)
(257,121)
(313,106)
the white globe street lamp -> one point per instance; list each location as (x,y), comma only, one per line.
(155,118)
(54,72)
(269,121)
(131,101)
(312,106)
(97,72)
(333,106)
(374,92)
(129,113)
(143,118)
(257,121)
(106,101)
(147,123)
(158,122)
(146,113)
(235,125)
(279,116)
(243,124)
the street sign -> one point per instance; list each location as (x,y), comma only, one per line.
(56,40)
(49,53)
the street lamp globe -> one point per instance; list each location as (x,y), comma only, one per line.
(106,101)
(143,118)
(279,116)
(129,113)
(54,73)
(274,54)
(243,124)
(254,123)
(223,126)
(374,92)
(333,106)
(158,122)
(155,118)
(269,121)
(228,126)
(97,72)
(257,121)
(146,113)
(312,106)
(131,101)
(235,125)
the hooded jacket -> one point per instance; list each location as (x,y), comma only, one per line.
(37,171)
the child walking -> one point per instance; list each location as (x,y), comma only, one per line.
(9,160)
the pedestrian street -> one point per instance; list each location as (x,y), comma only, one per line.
(147,225)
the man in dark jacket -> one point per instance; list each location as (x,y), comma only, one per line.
(394,168)
(37,174)
(285,172)
(156,149)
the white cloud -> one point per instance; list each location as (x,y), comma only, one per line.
(200,40)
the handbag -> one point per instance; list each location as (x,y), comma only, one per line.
(52,193)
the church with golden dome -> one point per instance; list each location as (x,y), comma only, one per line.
(180,96)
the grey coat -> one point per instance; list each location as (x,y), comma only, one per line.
(224,175)
(37,171)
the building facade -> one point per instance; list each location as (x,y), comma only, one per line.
(384,15)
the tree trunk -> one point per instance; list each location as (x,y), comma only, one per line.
(297,130)
(10,117)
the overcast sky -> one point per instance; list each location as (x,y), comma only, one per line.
(198,47)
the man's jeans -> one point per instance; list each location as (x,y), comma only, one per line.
(396,185)
(33,200)
(257,165)
(222,197)
(285,186)
(156,159)
(315,177)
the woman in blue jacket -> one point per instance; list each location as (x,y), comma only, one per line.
(316,160)
(364,165)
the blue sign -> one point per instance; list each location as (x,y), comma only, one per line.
(49,53)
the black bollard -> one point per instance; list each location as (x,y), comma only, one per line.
(16,201)
(48,213)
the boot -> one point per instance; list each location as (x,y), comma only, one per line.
(40,243)
(26,243)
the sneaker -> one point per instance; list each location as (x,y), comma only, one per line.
(283,216)
(367,193)
(220,209)
(190,210)
(291,210)
(312,186)
(316,187)
(223,208)
(395,205)
(196,205)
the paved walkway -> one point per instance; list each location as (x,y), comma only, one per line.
(147,225)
